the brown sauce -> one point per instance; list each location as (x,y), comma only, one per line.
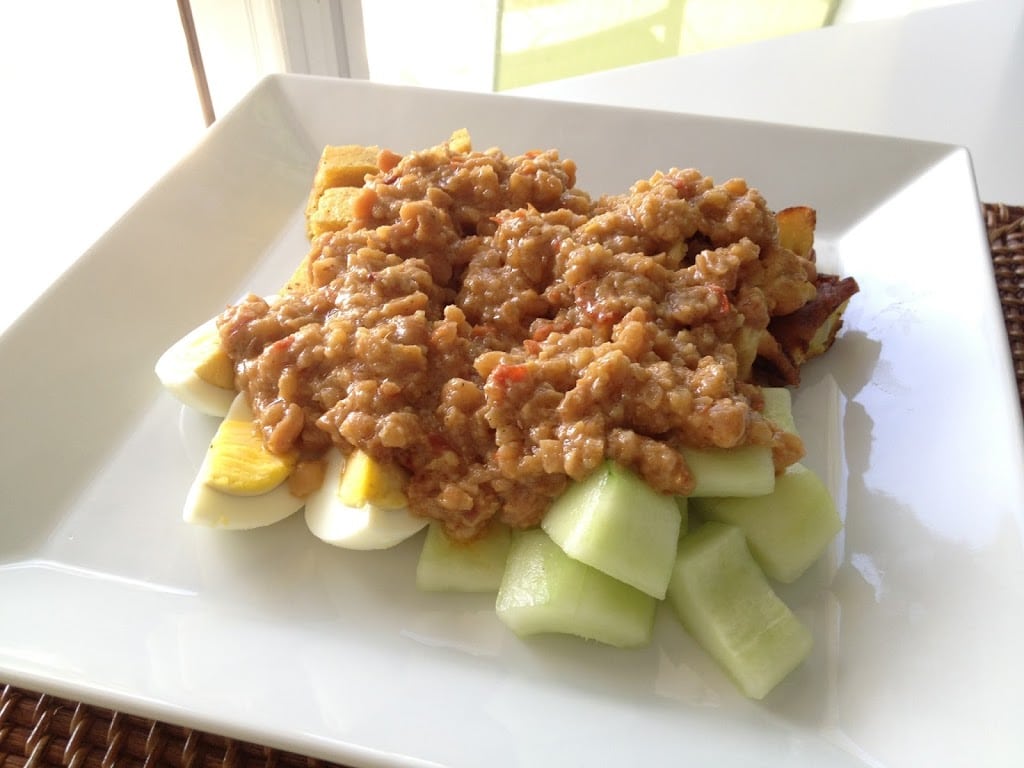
(496,331)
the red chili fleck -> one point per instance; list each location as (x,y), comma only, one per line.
(542,331)
(505,375)
(724,307)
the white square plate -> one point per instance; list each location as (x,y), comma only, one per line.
(271,636)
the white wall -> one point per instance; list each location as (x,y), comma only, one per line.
(99,101)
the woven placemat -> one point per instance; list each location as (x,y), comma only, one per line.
(40,731)
(1005,225)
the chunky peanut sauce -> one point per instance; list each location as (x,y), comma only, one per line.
(495,331)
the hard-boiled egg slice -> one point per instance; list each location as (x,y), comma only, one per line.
(360,505)
(198,372)
(240,484)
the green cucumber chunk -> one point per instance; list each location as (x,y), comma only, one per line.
(745,471)
(614,522)
(724,600)
(778,408)
(546,591)
(450,566)
(788,529)
(683,504)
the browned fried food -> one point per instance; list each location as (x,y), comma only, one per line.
(340,167)
(796,229)
(795,338)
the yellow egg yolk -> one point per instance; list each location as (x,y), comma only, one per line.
(239,462)
(209,361)
(368,481)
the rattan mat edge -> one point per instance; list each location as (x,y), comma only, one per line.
(1005,224)
(38,730)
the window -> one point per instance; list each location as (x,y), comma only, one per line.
(101,99)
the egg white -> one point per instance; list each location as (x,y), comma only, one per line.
(215,509)
(365,527)
(178,376)
(209,507)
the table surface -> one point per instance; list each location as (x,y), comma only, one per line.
(950,75)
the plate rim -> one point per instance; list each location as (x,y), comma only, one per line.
(163,711)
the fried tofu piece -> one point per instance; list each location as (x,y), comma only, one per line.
(299,281)
(333,210)
(808,332)
(795,337)
(796,229)
(773,368)
(340,166)
(344,166)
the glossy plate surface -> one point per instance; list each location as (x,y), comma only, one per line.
(272,636)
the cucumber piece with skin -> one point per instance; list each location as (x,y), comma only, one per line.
(723,599)
(788,529)
(450,566)
(614,522)
(546,591)
(745,471)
